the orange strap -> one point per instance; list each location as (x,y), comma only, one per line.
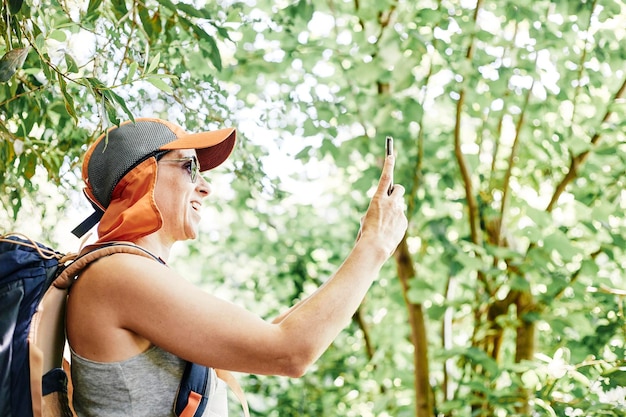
(193,402)
(70,385)
(235,387)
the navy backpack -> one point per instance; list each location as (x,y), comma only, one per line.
(34,281)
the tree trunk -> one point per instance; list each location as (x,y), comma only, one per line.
(423,393)
(525,342)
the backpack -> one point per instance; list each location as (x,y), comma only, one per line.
(34,376)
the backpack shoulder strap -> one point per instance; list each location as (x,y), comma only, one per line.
(94,252)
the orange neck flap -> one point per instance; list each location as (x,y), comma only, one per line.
(133,212)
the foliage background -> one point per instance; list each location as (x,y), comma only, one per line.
(507,295)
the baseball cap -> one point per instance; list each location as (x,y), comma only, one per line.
(125,147)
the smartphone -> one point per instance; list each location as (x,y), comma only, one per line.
(389,151)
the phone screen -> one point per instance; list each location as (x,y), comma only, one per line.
(389,151)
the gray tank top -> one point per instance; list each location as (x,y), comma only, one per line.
(142,386)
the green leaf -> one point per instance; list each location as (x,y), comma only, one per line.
(160,84)
(119,8)
(302,9)
(557,241)
(15,6)
(472,263)
(40,42)
(207,43)
(578,145)
(546,406)
(16,199)
(71,64)
(67,98)
(113,97)
(28,164)
(601,212)
(451,406)
(479,357)
(412,110)
(589,268)
(154,63)
(93,7)
(111,111)
(616,376)
(95,83)
(189,10)
(132,70)
(540,217)
(533,233)
(58,35)
(151,24)
(304,154)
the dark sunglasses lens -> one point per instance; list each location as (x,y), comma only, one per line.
(194,169)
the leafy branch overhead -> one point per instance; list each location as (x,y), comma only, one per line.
(67,72)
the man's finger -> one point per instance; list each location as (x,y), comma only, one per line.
(386,177)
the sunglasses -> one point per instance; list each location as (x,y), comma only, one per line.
(190,164)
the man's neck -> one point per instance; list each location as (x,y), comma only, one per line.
(155,245)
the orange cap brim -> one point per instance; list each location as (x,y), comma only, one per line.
(213,148)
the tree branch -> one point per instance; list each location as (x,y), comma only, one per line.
(465,174)
(360,321)
(579,159)
(507,177)
(607,290)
